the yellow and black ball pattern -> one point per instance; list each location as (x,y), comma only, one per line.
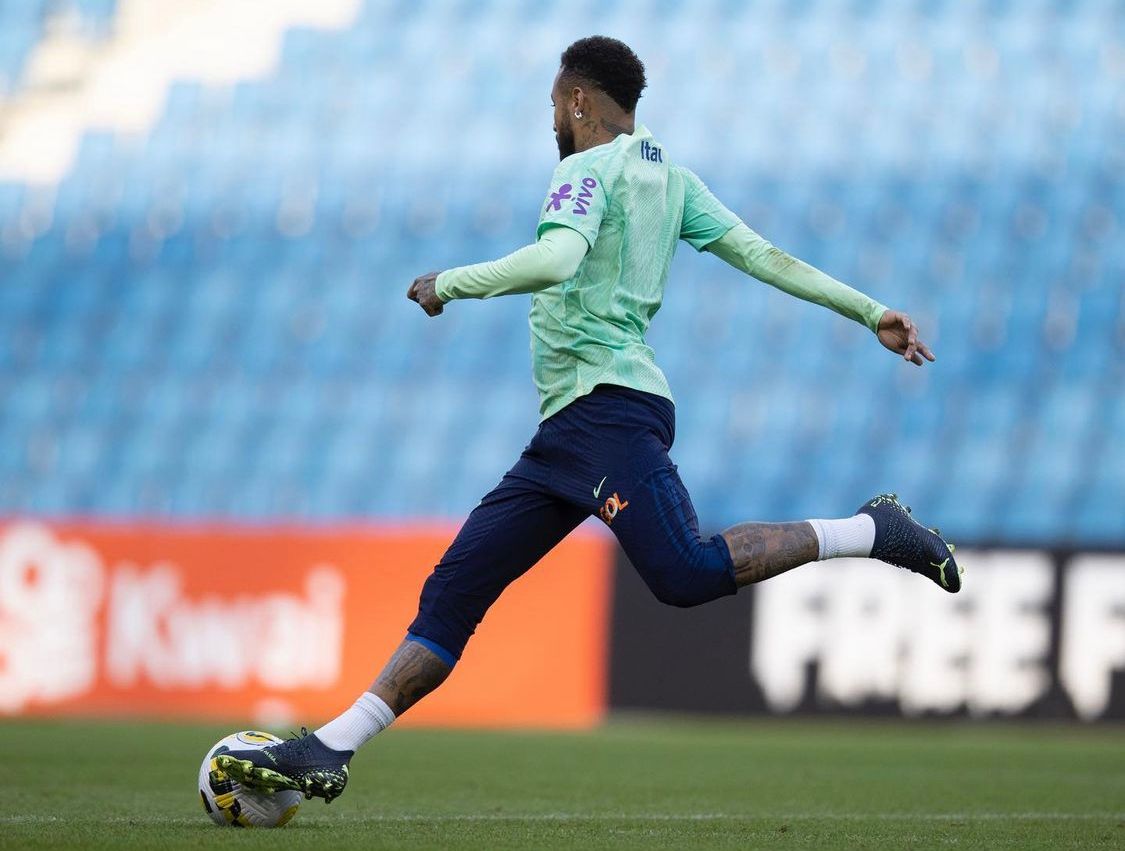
(228,803)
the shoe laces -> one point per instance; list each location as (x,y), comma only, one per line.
(906,508)
(298,743)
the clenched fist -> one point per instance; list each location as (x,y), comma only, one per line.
(424,291)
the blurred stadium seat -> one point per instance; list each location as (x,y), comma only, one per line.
(210,322)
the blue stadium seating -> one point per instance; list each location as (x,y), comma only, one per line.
(212,324)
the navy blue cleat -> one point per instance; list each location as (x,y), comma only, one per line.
(904,542)
(303,763)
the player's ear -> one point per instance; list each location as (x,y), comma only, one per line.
(578,102)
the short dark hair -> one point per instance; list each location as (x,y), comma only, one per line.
(609,64)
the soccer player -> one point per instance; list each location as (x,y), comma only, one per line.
(616,208)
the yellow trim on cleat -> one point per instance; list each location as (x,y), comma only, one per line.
(941,572)
(243,771)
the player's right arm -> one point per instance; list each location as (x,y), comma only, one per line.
(554,258)
(710,226)
(568,228)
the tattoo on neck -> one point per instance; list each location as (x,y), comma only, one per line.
(615,129)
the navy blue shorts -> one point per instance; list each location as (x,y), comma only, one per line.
(604,454)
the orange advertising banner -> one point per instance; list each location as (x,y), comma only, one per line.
(282,625)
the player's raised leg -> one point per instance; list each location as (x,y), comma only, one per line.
(683,569)
(883,529)
(653,517)
(513,527)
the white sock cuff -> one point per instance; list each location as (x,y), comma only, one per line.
(850,537)
(821,537)
(363,720)
(377,707)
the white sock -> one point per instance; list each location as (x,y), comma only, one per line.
(353,727)
(852,536)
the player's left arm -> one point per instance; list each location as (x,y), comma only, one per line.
(552,259)
(744,249)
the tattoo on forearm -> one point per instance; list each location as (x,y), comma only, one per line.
(762,550)
(412,673)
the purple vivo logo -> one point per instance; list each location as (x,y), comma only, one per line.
(582,202)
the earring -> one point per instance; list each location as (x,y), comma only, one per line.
(578,115)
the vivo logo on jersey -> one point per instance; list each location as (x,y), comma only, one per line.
(651,153)
(582,202)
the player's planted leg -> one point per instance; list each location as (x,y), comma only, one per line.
(303,763)
(511,529)
(316,764)
(412,672)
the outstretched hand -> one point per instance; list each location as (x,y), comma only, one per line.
(424,291)
(899,334)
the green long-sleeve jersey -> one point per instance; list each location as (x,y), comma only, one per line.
(595,297)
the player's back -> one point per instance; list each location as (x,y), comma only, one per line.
(632,205)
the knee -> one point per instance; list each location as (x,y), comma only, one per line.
(681,598)
(684,587)
(691,579)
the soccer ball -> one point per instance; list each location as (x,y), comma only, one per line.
(229,803)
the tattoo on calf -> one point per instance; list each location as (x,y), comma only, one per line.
(412,673)
(762,550)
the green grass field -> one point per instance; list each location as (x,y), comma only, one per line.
(633,784)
